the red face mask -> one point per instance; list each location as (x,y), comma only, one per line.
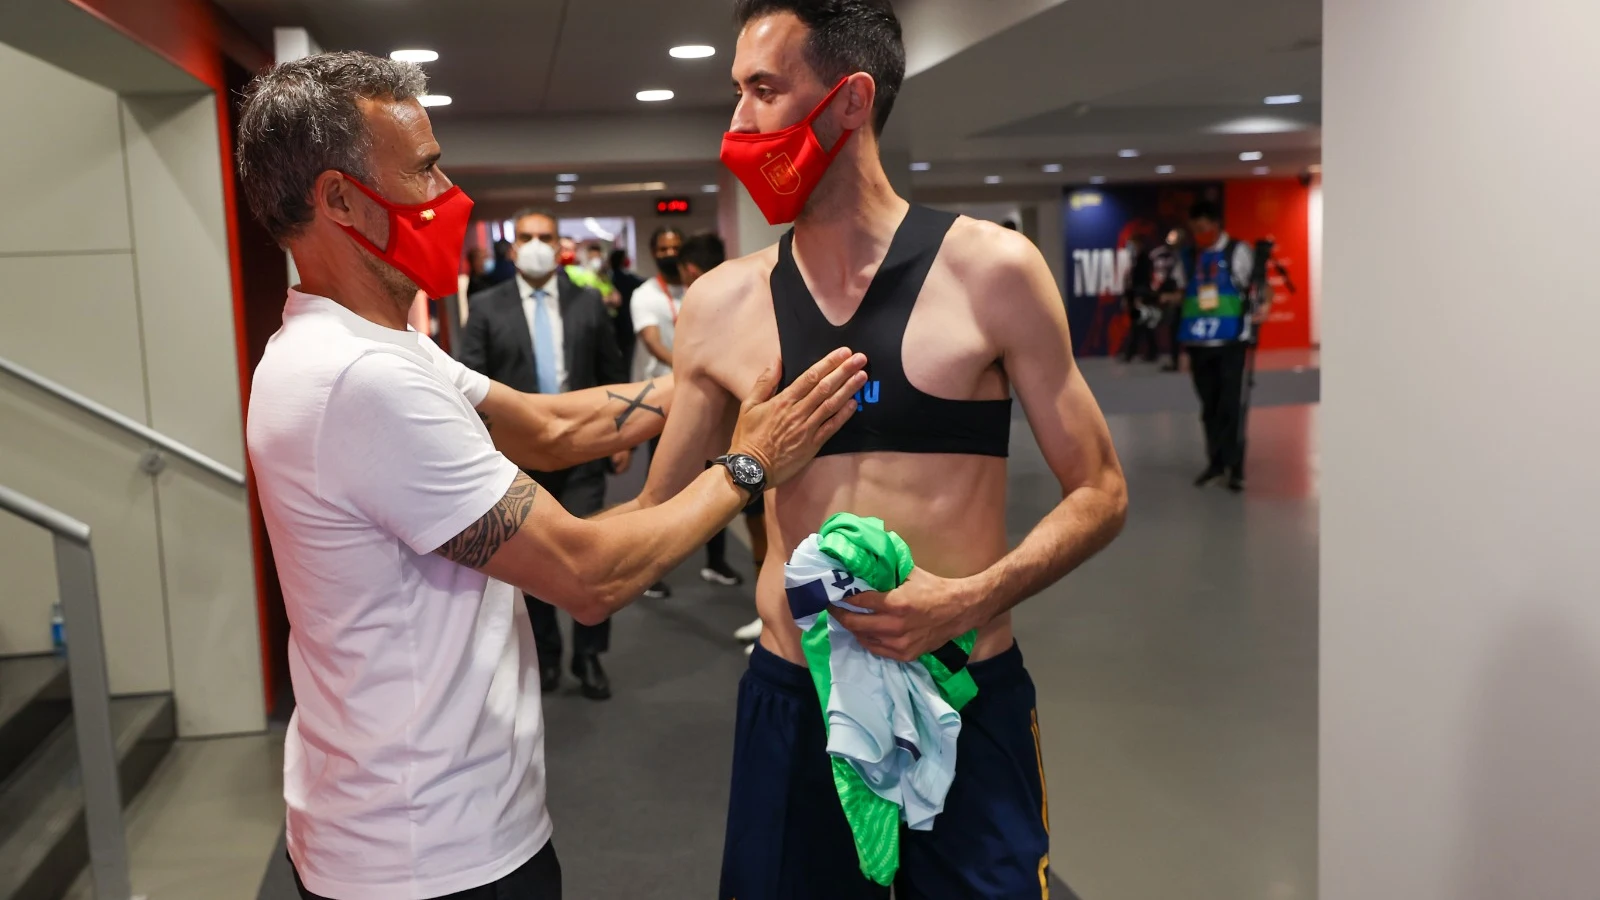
(568,258)
(780,169)
(424,238)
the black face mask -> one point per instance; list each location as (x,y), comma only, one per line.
(667,266)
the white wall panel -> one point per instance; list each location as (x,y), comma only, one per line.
(62,180)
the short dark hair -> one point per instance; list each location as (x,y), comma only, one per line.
(705,251)
(662,232)
(847,36)
(301,119)
(1206,209)
(619,259)
(527,211)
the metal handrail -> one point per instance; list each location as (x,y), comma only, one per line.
(91,693)
(107,414)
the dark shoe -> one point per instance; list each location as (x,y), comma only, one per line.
(1236,483)
(1208,477)
(658,590)
(722,574)
(549,678)
(592,677)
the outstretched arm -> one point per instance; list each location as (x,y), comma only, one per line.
(549,432)
(593,568)
(1032,332)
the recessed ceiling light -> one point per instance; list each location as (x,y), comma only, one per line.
(563,198)
(565,188)
(1262,170)
(1283,99)
(921,166)
(630,188)
(567,178)
(414,56)
(1052,168)
(1097,179)
(654,96)
(991,179)
(1128,154)
(692,51)
(709,189)
(1165,170)
(1250,156)
(434,99)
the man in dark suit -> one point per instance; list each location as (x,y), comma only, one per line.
(540,333)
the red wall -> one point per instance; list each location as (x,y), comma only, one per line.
(1278,208)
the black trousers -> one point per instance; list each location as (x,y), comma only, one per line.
(1222,380)
(582,493)
(1172,322)
(1141,334)
(538,879)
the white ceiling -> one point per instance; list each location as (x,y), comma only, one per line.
(999,86)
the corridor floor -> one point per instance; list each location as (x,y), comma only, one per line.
(1176,676)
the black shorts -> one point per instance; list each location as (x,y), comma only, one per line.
(787,837)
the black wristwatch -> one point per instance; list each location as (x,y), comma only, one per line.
(747,472)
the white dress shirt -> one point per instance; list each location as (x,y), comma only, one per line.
(552,305)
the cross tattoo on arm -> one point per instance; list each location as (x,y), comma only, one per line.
(635,404)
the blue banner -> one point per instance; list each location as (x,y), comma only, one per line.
(1099,222)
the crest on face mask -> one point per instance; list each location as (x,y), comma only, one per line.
(781,174)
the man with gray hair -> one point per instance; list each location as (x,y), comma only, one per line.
(401,523)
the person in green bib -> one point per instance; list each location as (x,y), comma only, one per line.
(1221,316)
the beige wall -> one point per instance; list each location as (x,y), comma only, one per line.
(1460,624)
(114,281)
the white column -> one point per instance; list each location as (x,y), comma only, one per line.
(1460,624)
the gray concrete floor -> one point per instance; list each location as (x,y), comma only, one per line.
(1176,677)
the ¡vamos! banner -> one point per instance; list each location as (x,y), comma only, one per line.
(1100,221)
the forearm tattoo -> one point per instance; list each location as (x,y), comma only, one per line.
(635,404)
(475,546)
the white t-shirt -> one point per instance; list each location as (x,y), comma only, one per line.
(652,306)
(414,763)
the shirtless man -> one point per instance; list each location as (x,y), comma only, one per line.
(954,316)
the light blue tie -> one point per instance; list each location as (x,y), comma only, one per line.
(544,346)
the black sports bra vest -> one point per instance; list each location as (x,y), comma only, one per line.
(893,416)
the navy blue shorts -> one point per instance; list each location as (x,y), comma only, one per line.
(787,836)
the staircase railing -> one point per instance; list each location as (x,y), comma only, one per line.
(153,462)
(91,694)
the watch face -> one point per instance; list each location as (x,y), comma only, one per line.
(746,470)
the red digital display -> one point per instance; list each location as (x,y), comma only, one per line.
(672,206)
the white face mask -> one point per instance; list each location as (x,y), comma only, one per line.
(596,264)
(536,260)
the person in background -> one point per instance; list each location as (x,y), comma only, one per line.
(1221,314)
(504,269)
(543,334)
(655,306)
(480,266)
(700,254)
(1164,264)
(1142,304)
(626,282)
